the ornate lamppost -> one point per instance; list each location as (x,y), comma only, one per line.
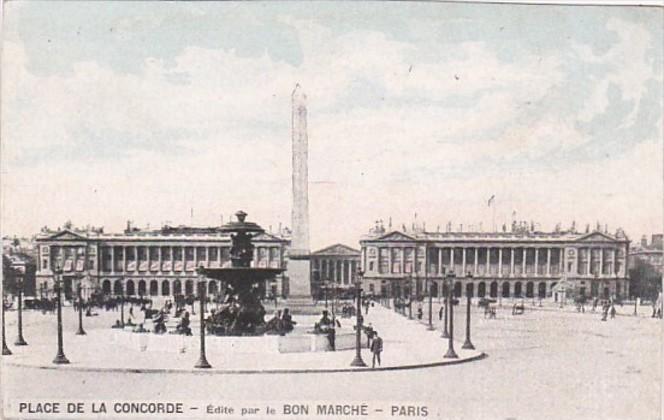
(80,331)
(429,287)
(60,358)
(451,354)
(202,360)
(357,361)
(446,284)
(20,341)
(5,349)
(468,344)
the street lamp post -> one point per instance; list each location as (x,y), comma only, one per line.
(202,360)
(445,333)
(357,361)
(80,331)
(468,344)
(20,341)
(451,354)
(5,349)
(429,286)
(60,358)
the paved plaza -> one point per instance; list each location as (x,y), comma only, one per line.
(546,363)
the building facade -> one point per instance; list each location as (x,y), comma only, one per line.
(337,264)
(496,264)
(651,253)
(146,263)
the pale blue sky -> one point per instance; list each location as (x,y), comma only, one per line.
(147,109)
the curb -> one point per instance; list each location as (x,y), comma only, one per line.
(254,371)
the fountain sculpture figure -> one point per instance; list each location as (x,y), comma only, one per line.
(242,312)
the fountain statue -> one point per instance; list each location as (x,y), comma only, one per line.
(242,312)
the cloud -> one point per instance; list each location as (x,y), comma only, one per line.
(628,66)
(394,126)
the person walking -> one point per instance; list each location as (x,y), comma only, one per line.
(613,312)
(440,312)
(376,349)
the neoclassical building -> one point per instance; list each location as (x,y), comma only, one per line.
(149,263)
(496,264)
(336,263)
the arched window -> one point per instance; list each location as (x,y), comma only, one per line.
(188,287)
(517,289)
(117,287)
(154,288)
(141,287)
(506,290)
(212,287)
(177,288)
(530,289)
(131,291)
(457,289)
(541,290)
(469,290)
(165,288)
(494,289)
(481,290)
(106,287)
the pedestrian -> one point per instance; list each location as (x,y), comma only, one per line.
(613,312)
(376,349)
(420,313)
(440,312)
(370,333)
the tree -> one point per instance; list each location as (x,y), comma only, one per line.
(645,280)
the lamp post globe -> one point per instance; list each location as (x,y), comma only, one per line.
(357,361)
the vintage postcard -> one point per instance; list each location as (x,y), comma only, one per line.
(331,210)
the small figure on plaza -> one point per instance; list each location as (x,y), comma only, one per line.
(287,321)
(369,331)
(183,326)
(376,349)
(613,311)
(159,323)
(420,313)
(117,324)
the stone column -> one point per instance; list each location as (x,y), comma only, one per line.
(172,248)
(440,260)
(451,259)
(402,251)
(477,257)
(112,258)
(590,260)
(601,262)
(548,262)
(389,260)
(536,261)
(124,258)
(500,262)
(511,262)
(463,260)
(161,258)
(525,254)
(561,263)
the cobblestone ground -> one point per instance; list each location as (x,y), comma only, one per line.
(544,364)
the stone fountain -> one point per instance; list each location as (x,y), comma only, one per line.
(242,312)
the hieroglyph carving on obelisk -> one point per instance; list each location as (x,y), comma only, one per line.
(300,212)
(298,264)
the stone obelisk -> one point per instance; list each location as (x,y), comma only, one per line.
(298,254)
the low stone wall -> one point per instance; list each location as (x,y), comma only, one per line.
(270,344)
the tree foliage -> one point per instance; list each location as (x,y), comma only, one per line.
(645,280)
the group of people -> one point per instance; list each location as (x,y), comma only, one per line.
(280,323)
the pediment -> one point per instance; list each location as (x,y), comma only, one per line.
(67,235)
(596,237)
(396,237)
(338,249)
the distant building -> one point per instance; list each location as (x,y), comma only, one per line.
(159,262)
(521,262)
(652,253)
(337,263)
